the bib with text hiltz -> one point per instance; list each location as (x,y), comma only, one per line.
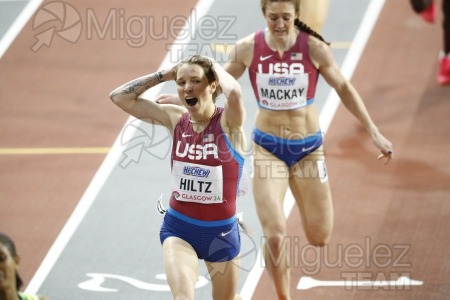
(197,183)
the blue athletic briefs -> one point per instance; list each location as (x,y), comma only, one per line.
(289,151)
(213,241)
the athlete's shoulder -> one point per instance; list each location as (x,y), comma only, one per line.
(242,52)
(314,41)
(246,42)
(319,51)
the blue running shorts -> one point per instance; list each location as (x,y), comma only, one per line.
(213,241)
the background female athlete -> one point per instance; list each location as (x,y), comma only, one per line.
(284,61)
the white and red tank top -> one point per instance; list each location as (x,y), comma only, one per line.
(283,82)
(206,170)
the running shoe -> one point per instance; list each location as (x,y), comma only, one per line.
(443,76)
(429,14)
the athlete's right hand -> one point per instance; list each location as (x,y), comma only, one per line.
(169,99)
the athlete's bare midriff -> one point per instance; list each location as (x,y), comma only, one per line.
(289,124)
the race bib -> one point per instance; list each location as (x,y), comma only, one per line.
(197,183)
(282,92)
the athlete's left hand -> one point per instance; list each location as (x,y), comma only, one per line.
(384,145)
(386,155)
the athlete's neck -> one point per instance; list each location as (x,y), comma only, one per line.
(281,44)
(211,113)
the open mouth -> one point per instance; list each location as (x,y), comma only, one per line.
(191,101)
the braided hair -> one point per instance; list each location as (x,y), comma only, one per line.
(303,27)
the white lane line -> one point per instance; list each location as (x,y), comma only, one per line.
(326,116)
(307,282)
(102,174)
(18,25)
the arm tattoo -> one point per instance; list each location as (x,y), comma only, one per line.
(140,85)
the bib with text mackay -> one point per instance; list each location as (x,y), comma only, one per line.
(282,92)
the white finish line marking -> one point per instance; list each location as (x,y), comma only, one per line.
(307,282)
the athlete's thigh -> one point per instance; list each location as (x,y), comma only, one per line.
(270,182)
(224,278)
(310,186)
(181,266)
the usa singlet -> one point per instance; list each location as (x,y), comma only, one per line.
(206,170)
(283,82)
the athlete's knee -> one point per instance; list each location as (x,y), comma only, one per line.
(276,244)
(318,231)
(318,241)
(318,238)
